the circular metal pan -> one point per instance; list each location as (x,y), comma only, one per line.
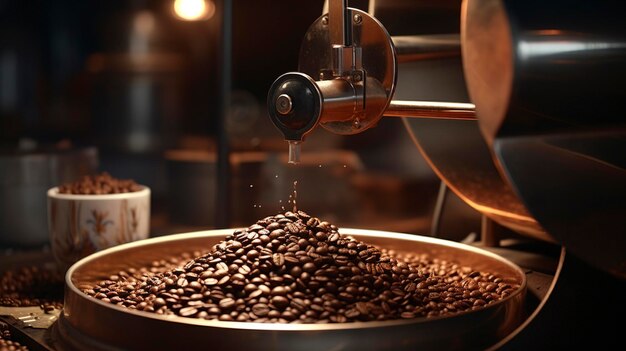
(90,324)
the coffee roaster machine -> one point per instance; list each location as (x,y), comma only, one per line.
(515,105)
(524,122)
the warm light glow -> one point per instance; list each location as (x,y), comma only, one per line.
(194,10)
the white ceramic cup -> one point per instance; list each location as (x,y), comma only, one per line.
(80,225)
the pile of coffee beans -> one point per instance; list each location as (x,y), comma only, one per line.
(100,184)
(31,286)
(295,268)
(6,343)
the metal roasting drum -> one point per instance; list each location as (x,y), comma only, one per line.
(552,114)
(90,324)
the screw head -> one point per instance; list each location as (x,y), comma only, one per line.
(284,104)
(357,18)
(325,20)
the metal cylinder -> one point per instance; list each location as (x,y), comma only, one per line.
(431,109)
(426,47)
(339,99)
(532,72)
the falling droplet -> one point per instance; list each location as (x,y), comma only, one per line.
(252,186)
(295,195)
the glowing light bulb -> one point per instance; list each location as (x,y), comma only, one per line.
(194,10)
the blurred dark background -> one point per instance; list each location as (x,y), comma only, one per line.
(130,87)
(65,63)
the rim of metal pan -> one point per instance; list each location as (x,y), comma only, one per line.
(361,234)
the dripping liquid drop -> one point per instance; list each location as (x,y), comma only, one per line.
(295,196)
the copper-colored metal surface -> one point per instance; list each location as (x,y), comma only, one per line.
(465,164)
(88,323)
(549,92)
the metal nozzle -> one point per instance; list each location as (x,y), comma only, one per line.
(294,151)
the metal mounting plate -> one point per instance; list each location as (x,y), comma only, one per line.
(379,64)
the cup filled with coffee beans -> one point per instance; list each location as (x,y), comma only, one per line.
(94,213)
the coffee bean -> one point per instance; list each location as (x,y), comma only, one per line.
(407,315)
(292,228)
(188,311)
(196,285)
(280,302)
(352,313)
(227,303)
(264,289)
(210,281)
(260,309)
(244,269)
(279,291)
(309,267)
(278,259)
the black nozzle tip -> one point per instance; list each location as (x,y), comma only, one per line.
(295,104)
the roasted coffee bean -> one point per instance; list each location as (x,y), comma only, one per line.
(292,228)
(309,267)
(279,291)
(188,311)
(280,302)
(278,259)
(227,303)
(256,293)
(265,289)
(210,281)
(244,269)
(260,309)
(195,285)
(298,304)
